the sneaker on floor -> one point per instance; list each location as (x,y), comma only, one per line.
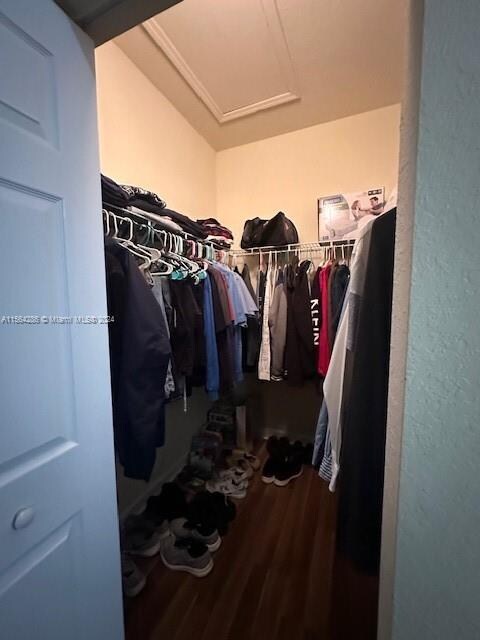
(212,509)
(140,538)
(133,580)
(228,487)
(270,468)
(244,460)
(157,520)
(278,447)
(241,465)
(225,507)
(189,482)
(169,504)
(252,460)
(186,555)
(236,473)
(183,529)
(292,467)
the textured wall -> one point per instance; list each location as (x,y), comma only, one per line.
(289,172)
(145,141)
(437,584)
(400,310)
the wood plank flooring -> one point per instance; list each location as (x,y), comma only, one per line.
(271,580)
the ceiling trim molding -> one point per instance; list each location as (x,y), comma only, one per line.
(275,27)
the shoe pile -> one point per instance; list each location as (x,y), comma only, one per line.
(185,523)
(285,462)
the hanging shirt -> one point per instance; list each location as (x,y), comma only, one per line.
(324,345)
(187,315)
(337,295)
(300,350)
(223,328)
(140,352)
(264,357)
(315,308)
(278,328)
(158,292)
(212,384)
(243,306)
(335,378)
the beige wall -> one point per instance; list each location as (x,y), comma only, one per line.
(289,172)
(145,141)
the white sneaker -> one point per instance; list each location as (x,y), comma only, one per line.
(228,487)
(186,555)
(237,474)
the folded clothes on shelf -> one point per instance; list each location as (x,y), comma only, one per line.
(147,201)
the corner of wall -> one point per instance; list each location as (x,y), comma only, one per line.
(400,313)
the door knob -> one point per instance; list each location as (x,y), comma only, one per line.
(23,518)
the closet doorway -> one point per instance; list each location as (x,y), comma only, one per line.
(261,136)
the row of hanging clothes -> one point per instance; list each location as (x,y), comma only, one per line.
(325,314)
(177,312)
(349,450)
(300,292)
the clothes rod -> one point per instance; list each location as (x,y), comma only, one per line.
(299,246)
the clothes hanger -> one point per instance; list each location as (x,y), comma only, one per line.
(107,221)
(127,242)
(156,253)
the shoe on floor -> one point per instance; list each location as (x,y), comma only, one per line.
(140,537)
(183,529)
(169,504)
(133,580)
(228,487)
(186,555)
(241,465)
(157,520)
(244,460)
(292,467)
(214,510)
(270,468)
(236,473)
(252,460)
(189,482)
(278,447)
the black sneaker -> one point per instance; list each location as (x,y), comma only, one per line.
(279,449)
(169,504)
(292,467)
(270,469)
(213,510)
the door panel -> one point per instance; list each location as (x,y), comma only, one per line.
(59,552)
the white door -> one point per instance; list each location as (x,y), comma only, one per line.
(59,552)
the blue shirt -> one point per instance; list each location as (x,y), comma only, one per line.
(212,384)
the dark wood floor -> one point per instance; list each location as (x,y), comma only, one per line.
(272,578)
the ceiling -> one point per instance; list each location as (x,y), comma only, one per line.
(243,70)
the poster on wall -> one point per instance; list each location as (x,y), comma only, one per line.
(340,217)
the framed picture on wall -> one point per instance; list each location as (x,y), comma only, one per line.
(341,216)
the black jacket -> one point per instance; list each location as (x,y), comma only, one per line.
(300,347)
(139,356)
(364,406)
